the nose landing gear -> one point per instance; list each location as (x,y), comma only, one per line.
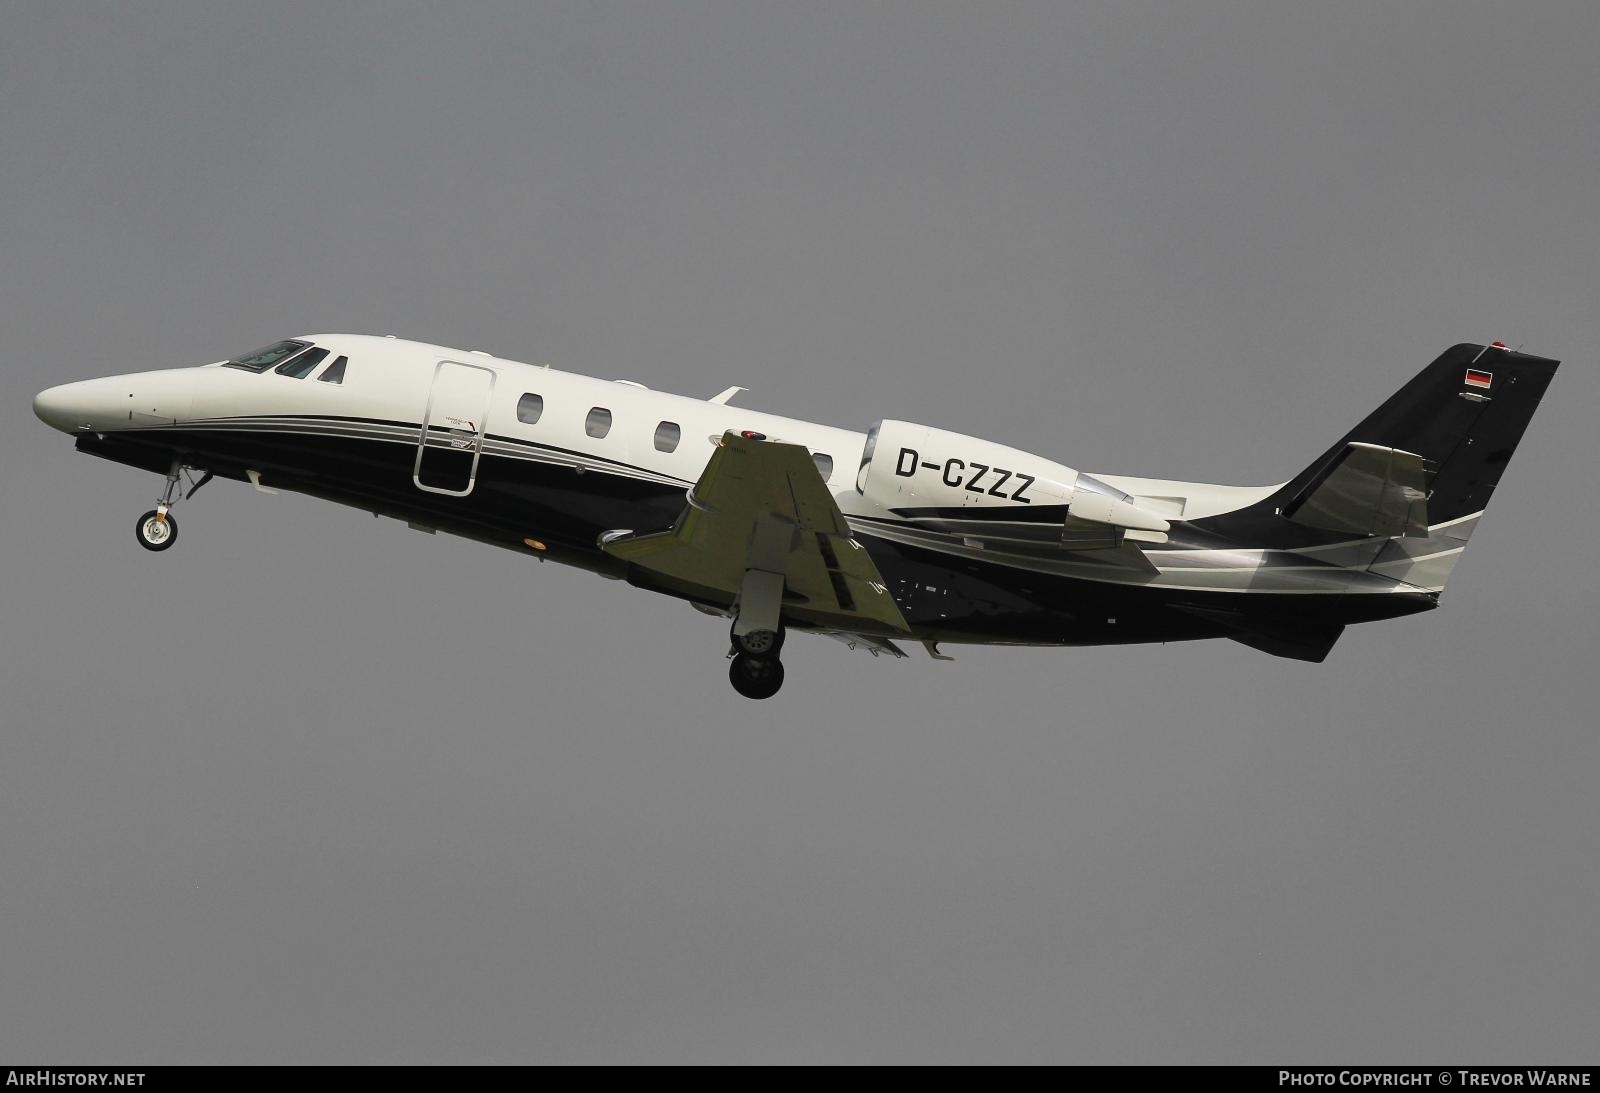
(157,529)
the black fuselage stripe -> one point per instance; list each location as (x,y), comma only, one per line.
(944,597)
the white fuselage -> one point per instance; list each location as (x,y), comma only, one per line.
(395,385)
(904,530)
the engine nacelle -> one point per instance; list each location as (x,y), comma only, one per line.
(914,466)
(908,466)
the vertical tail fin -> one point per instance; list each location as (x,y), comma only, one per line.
(1401,493)
(1464,415)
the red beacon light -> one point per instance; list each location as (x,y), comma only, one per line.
(1497,345)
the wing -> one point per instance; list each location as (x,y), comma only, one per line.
(762,505)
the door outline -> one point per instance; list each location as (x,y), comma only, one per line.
(482,426)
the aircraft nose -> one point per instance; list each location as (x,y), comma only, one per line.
(117,402)
(64,407)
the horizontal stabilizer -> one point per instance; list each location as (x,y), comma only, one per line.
(1369,490)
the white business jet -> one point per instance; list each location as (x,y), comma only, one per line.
(904,533)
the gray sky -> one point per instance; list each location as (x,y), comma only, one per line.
(256,805)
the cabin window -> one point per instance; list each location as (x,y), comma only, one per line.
(302,366)
(529,407)
(335,372)
(667,436)
(270,357)
(598,423)
(824,463)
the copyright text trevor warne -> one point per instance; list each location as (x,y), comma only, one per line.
(1531,1076)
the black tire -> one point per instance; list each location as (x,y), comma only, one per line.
(759,643)
(755,677)
(153,539)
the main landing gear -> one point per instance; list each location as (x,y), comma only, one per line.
(755,670)
(755,677)
(157,529)
(756,636)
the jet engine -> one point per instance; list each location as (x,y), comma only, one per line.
(916,467)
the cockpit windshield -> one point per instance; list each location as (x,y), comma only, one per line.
(263,359)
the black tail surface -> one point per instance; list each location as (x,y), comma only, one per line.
(1463,415)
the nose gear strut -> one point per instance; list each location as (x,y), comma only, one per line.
(157,529)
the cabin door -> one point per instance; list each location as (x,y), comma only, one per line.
(452,428)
